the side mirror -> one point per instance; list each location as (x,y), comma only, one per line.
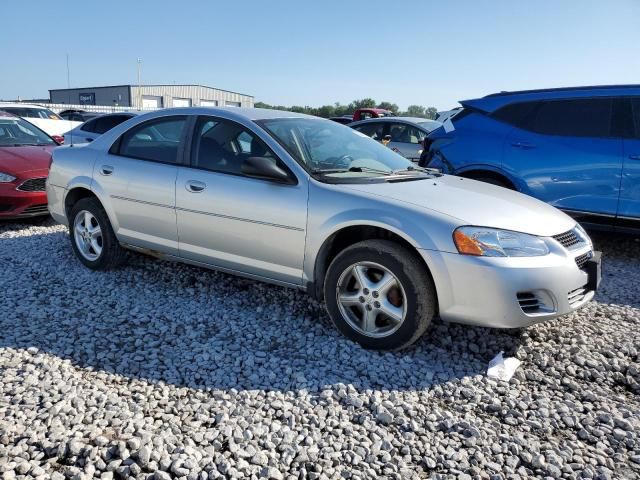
(266,168)
(59,139)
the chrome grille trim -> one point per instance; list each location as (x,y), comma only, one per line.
(33,185)
(581,260)
(36,209)
(567,239)
(576,296)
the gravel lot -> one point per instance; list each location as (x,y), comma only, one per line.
(160,370)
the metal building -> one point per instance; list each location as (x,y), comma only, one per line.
(151,96)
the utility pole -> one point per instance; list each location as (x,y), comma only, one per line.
(139,85)
(68,74)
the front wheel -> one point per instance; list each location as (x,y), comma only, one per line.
(380,295)
(92,237)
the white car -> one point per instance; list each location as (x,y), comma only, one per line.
(41,117)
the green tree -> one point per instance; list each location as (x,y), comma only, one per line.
(431,113)
(415,111)
(326,111)
(389,106)
(363,103)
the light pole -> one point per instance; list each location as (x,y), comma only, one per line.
(139,85)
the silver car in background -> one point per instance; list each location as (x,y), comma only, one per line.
(308,203)
(404,134)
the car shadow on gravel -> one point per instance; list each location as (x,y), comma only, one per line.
(164,322)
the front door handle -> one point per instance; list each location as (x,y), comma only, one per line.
(634,157)
(89,139)
(194,186)
(523,145)
(106,170)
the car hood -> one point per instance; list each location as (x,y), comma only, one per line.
(476,203)
(17,160)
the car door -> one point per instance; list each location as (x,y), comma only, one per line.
(629,206)
(564,153)
(235,222)
(139,176)
(406,140)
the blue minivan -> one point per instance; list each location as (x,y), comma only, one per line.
(575,148)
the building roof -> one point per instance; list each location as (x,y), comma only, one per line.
(131,85)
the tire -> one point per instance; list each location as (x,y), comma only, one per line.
(106,252)
(411,292)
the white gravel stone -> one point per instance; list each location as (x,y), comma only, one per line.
(158,370)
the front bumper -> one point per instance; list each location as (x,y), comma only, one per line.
(508,292)
(18,204)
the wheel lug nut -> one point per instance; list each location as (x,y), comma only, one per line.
(369,307)
(361,299)
(375,294)
(365,291)
(376,304)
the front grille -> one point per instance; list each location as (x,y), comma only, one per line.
(33,185)
(41,208)
(576,296)
(567,239)
(581,260)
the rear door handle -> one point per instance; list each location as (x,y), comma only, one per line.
(106,170)
(523,145)
(194,186)
(634,157)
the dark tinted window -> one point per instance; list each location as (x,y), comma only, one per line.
(575,118)
(516,114)
(374,130)
(104,124)
(89,126)
(157,140)
(223,146)
(635,102)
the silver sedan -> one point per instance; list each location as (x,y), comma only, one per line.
(311,204)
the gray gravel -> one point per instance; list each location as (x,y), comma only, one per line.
(160,371)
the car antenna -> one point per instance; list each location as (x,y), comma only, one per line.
(69,100)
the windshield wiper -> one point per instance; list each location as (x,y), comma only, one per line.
(351,169)
(414,168)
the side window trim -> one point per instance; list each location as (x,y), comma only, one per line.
(180,156)
(189,160)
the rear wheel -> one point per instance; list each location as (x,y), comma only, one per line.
(92,237)
(379,295)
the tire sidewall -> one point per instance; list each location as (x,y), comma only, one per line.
(93,207)
(415,299)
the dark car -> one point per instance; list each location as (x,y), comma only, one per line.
(78,115)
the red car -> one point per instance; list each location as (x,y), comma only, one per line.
(25,157)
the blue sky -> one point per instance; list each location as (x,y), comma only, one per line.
(318,52)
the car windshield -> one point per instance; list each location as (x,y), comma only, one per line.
(32,112)
(15,132)
(328,148)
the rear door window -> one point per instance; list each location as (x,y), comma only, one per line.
(158,140)
(574,118)
(516,114)
(89,126)
(635,105)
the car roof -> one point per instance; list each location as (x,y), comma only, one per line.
(7,114)
(494,101)
(23,105)
(237,113)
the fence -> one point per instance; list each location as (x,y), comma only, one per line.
(59,107)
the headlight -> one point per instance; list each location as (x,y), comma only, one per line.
(491,242)
(6,178)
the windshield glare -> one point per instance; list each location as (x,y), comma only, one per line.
(322,145)
(16,132)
